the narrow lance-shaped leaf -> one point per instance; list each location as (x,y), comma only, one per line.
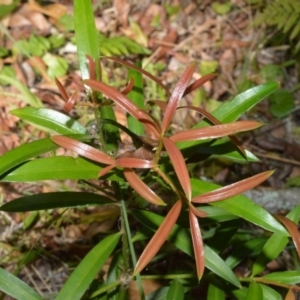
(199,82)
(215,121)
(197,244)
(134,67)
(176,96)
(197,212)
(118,97)
(131,162)
(83,149)
(233,189)
(61,89)
(141,188)
(292,229)
(159,237)
(179,166)
(215,131)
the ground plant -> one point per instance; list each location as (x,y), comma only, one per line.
(143,171)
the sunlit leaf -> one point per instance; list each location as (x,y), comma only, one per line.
(179,166)
(197,244)
(215,131)
(141,188)
(241,206)
(49,119)
(83,149)
(56,168)
(286,277)
(159,237)
(176,96)
(86,271)
(269,293)
(86,34)
(233,189)
(54,200)
(22,153)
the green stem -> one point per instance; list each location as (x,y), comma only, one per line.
(127,234)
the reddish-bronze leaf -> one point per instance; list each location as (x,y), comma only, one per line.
(131,162)
(290,295)
(159,237)
(215,121)
(105,170)
(197,212)
(292,229)
(176,96)
(141,188)
(215,131)
(118,97)
(161,104)
(197,244)
(129,87)
(179,166)
(134,67)
(61,89)
(71,102)
(198,83)
(83,149)
(92,67)
(233,189)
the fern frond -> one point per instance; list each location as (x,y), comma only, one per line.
(119,45)
(284,15)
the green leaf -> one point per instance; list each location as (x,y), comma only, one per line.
(159,294)
(215,214)
(215,293)
(269,293)
(55,168)
(286,277)
(57,66)
(241,206)
(49,119)
(16,288)
(9,7)
(54,200)
(181,238)
(273,247)
(176,290)
(294,214)
(230,111)
(217,265)
(86,34)
(28,97)
(240,294)
(22,153)
(281,103)
(244,250)
(254,292)
(136,95)
(226,149)
(88,268)
(178,235)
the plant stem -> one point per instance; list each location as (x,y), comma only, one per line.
(127,235)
